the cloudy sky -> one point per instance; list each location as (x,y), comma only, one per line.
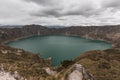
(60,12)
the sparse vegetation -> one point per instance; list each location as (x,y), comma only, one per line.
(103,65)
(66,63)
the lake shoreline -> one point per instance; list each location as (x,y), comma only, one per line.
(24,37)
(50,45)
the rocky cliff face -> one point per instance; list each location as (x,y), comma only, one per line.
(25,31)
(107,33)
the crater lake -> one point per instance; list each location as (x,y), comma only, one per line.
(59,47)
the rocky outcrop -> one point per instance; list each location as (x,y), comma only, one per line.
(8,75)
(50,72)
(77,72)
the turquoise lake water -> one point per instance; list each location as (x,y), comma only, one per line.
(59,47)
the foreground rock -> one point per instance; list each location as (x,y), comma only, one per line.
(77,72)
(8,75)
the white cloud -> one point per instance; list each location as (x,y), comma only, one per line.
(66,7)
(13,11)
(60,12)
(111,3)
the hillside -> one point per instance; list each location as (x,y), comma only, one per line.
(91,65)
(96,65)
(28,65)
(100,65)
(107,33)
(103,65)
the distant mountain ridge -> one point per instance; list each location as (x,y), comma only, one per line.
(11,26)
(57,26)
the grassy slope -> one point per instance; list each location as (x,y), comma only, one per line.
(104,65)
(28,65)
